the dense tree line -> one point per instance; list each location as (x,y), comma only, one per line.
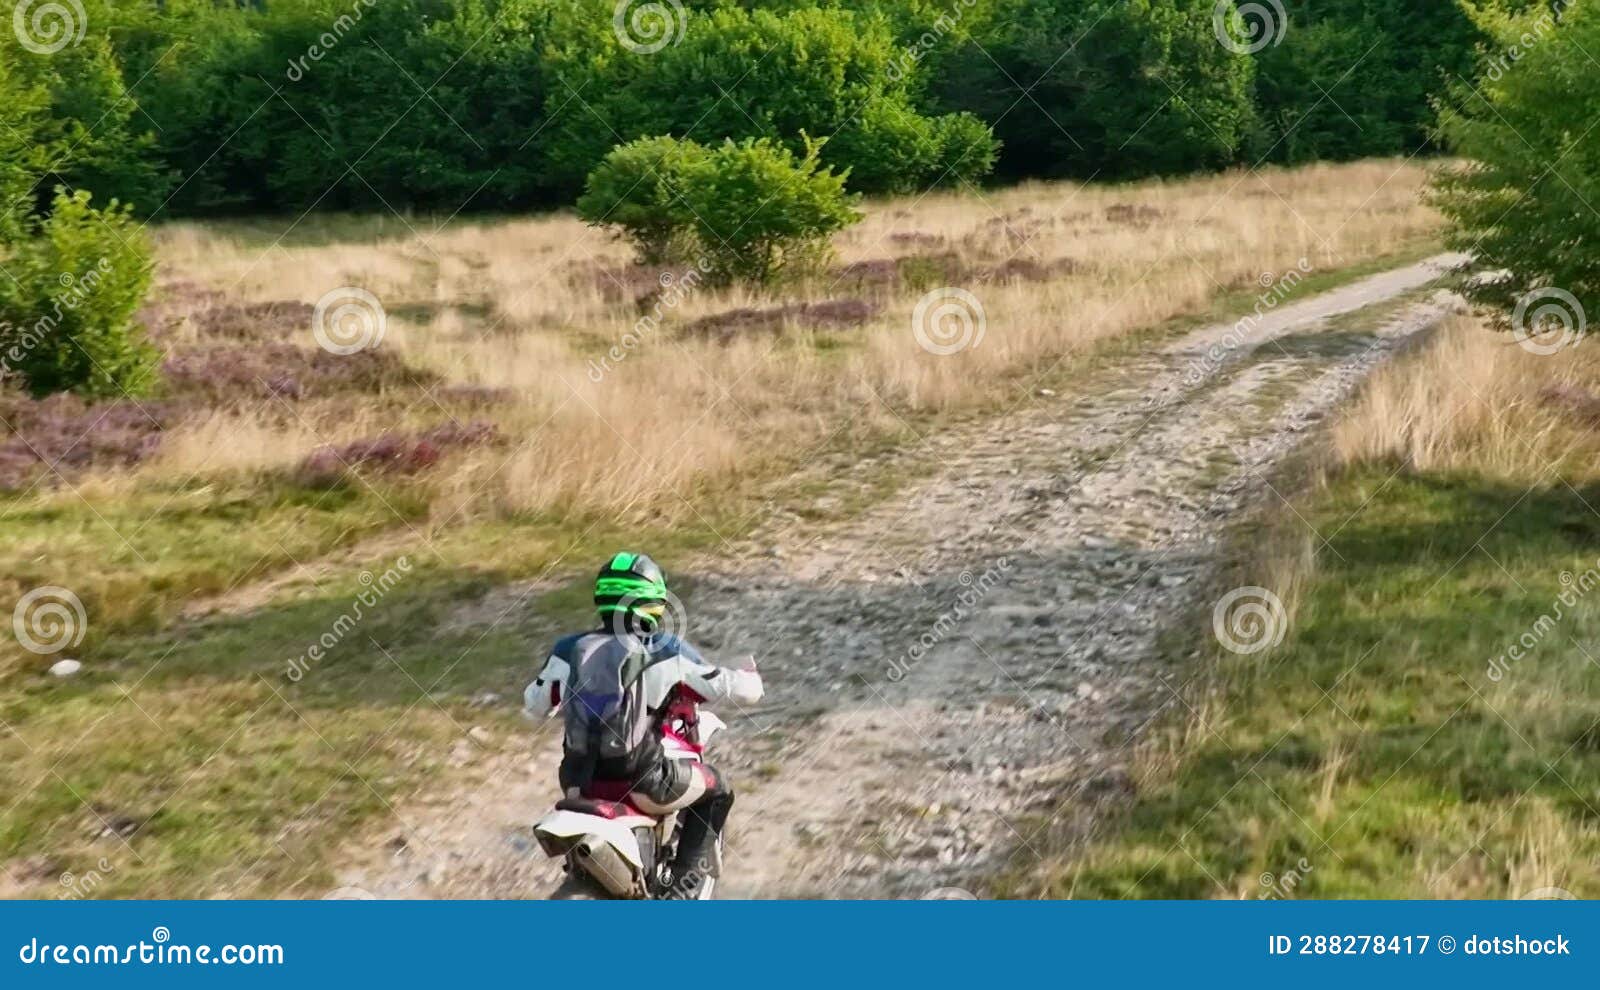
(210,106)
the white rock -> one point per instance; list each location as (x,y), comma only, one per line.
(65,668)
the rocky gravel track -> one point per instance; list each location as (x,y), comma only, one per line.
(952,665)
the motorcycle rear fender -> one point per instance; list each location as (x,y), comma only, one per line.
(559,830)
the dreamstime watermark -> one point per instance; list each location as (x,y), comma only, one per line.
(906,62)
(348,319)
(1548,320)
(1283,885)
(1248,620)
(16,343)
(1247,28)
(973,590)
(691,883)
(160,950)
(949,894)
(671,620)
(674,290)
(1542,26)
(48,620)
(1276,289)
(79,885)
(45,28)
(330,39)
(1575,587)
(374,587)
(948,320)
(1548,894)
(648,27)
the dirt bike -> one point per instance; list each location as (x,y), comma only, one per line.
(611,848)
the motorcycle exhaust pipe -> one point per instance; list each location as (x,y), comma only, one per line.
(606,866)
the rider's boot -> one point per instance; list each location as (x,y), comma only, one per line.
(699,854)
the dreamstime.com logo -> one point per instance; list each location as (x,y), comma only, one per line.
(48,620)
(44,27)
(348,319)
(1247,28)
(948,320)
(646,28)
(159,951)
(1248,620)
(1548,320)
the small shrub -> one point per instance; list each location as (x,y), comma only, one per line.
(634,190)
(890,148)
(758,210)
(968,149)
(67,312)
(748,210)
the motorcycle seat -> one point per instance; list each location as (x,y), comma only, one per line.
(602,809)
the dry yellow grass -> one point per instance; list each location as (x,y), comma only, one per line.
(528,305)
(1474,400)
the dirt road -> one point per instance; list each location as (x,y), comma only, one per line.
(943,668)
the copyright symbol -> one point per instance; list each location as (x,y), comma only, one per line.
(1447,944)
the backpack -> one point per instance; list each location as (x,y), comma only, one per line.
(609,728)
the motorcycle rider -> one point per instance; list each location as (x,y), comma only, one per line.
(624,686)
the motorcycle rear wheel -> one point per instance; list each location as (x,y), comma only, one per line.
(579,886)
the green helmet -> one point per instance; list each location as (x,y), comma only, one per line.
(631,586)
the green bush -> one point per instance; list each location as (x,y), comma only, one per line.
(635,191)
(1524,203)
(890,148)
(748,210)
(759,210)
(67,312)
(968,149)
